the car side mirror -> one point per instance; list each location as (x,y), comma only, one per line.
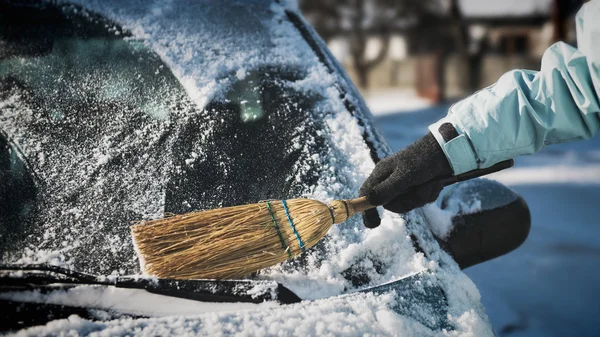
(490,220)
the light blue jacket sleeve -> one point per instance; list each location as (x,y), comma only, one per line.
(526,110)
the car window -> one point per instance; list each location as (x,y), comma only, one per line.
(114,138)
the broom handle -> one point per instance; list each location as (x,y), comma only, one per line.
(361,204)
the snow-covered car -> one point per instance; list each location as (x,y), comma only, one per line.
(112,112)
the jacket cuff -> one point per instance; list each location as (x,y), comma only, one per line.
(458,150)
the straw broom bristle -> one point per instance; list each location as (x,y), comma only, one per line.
(230,242)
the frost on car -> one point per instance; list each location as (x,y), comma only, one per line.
(114,112)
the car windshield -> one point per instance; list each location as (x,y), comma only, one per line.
(96,132)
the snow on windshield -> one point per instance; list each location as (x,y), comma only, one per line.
(202,49)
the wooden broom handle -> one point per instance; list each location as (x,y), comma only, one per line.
(361,204)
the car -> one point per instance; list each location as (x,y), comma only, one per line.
(113,112)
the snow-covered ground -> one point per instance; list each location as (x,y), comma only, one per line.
(548,286)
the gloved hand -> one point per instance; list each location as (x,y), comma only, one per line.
(418,165)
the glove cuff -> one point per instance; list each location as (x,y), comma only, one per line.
(437,160)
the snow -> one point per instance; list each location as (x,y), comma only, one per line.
(439,220)
(465,197)
(341,317)
(129,301)
(362,314)
(549,285)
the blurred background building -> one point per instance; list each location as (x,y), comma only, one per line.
(442,49)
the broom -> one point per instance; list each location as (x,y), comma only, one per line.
(233,242)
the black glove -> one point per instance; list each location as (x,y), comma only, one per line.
(416,167)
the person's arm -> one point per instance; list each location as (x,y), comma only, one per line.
(526,110)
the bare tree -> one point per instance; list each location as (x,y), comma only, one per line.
(357,20)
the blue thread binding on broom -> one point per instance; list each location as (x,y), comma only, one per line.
(283,245)
(287,213)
